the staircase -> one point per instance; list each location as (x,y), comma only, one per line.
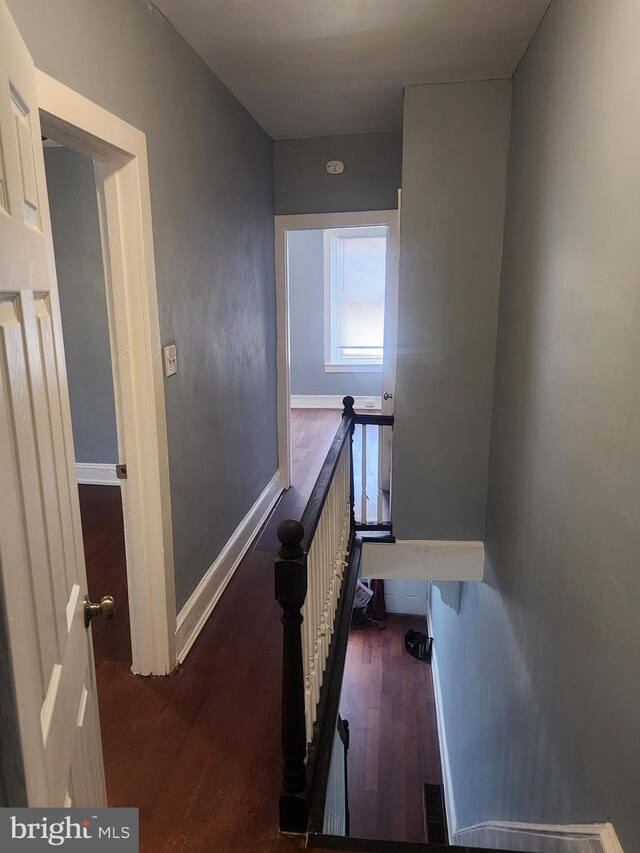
(315,577)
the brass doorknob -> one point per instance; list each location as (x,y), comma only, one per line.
(106,609)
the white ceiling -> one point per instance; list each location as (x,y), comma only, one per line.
(316,67)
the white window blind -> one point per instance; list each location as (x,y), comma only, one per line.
(358,272)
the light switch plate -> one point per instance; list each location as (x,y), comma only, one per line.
(170,360)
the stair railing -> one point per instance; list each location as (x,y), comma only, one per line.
(315,575)
(372,470)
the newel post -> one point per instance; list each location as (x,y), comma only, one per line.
(291,590)
(348,412)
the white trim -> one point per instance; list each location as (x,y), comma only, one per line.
(303,222)
(316,221)
(449,801)
(206,595)
(329,308)
(609,839)
(96,474)
(345,367)
(122,180)
(545,838)
(423,559)
(391,318)
(332,401)
(283,390)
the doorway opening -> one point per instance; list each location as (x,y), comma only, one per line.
(337,316)
(75,224)
(116,152)
(54,718)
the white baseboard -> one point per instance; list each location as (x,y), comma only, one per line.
(333,401)
(447,783)
(540,838)
(96,474)
(206,595)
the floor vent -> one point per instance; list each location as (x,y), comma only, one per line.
(435,814)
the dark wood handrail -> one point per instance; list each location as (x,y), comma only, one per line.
(318,496)
(376,420)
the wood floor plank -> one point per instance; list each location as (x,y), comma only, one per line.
(387,697)
(103,537)
(312,431)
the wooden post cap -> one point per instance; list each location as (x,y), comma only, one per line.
(348,402)
(290,534)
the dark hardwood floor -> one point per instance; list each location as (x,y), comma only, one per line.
(312,431)
(198,752)
(387,697)
(103,535)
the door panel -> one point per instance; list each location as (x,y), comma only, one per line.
(42,572)
(406,597)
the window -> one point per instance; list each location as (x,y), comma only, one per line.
(355,275)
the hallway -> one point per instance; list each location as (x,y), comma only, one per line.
(198,752)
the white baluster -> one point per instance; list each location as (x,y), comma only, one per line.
(380,448)
(363,497)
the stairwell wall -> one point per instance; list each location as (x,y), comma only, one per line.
(538,672)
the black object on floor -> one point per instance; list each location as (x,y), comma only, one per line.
(418,645)
(435,814)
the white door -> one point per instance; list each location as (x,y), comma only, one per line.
(406,597)
(390,343)
(42,572)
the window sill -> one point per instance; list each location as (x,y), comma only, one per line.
(353,368)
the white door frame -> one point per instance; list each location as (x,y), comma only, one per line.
(310,222)
(122,181)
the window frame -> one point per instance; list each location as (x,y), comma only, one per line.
(332,361)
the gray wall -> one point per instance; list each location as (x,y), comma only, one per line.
(211,173)
(540,669)
(76,239)
(453,195)
(306,315)
(370,181)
